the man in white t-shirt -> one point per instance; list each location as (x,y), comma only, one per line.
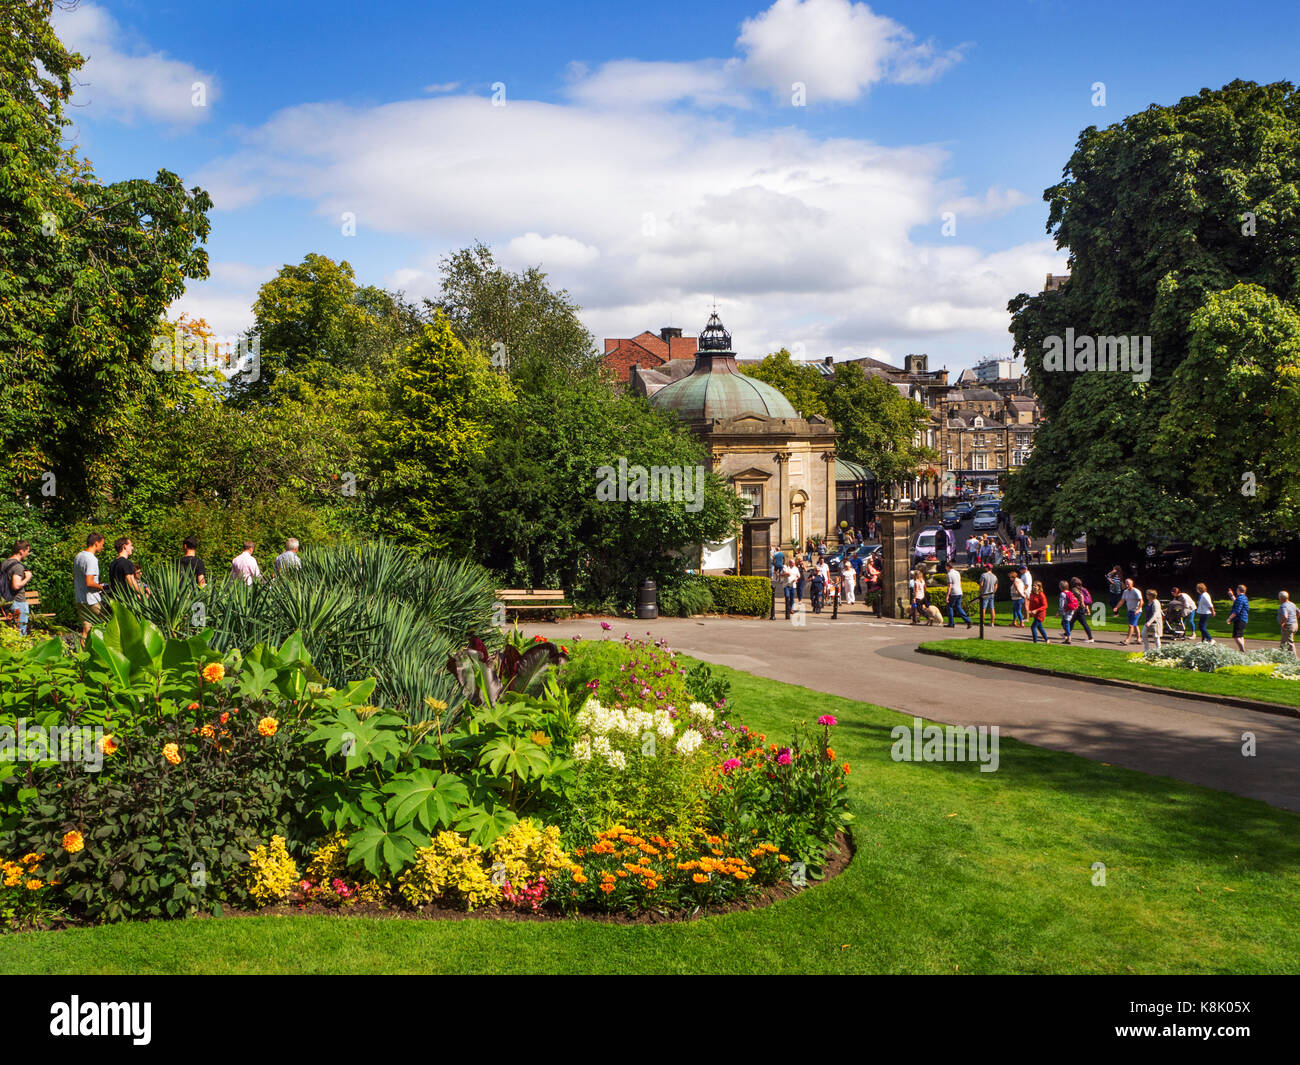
(1204,611)
(955,605)
(789,575)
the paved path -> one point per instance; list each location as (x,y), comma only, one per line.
(872,660)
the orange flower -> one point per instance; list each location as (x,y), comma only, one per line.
(172,753)
(651,884)
(73,841)
(34,884)
(108,745)
(700,878)
(578,878)
(622,873)
(213,672)
(830,753)
(192,706)
(846,769)
(224,718)
(267,726)
(606,888)
(207,731)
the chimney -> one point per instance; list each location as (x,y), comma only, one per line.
(828,360)
(667,332)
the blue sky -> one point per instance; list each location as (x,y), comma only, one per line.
(652,157)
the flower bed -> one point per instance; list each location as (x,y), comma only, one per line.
(1274,663)
(598,784)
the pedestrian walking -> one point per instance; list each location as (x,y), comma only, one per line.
(1115,586)
(972,550)
(988,594)
(1132,600)
(849,579)
(288,558)
(1038,613)
(1239,616)
(1018,598)
(190,564)
(919,595)
(1204,611)
(789,575)
(244,567)
(1287,620)
(14,578)
(1067,604)
(121,572)
(955,604)
(1085,604)
(1155,621)
(86,589)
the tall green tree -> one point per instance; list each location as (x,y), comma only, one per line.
(86,272)
(1164,214)
(445,398)
(799,382)
(526,326)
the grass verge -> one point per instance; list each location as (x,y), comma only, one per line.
(1114,665)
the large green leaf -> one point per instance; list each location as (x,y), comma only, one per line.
(432,798)
(484,826)
(385,849)
(514,755)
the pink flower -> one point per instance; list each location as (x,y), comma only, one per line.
(606,625)
(827,719)
(730,764)
(783,756)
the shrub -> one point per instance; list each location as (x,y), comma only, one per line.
(937,594)
(705,687)
(691,596)
(1257,669)
(449,866)
(272,873)
(740,595)
(329,879)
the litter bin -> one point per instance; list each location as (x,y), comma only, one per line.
(647,601)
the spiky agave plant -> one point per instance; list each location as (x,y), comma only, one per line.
(362,610)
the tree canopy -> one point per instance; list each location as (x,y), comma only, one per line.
(1183,226)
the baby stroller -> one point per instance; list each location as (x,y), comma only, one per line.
(1175,627)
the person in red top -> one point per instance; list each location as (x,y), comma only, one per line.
(1038,612)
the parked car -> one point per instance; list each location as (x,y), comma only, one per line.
(923,548)
(985,521)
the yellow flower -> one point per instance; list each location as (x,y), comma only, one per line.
(541,739)
(12,879)
(267,726)
(208,731)
(213,672)
(578,878)
(34,884)
(73,841)
(32,859)
(700,878)
(108,745)
(172,753)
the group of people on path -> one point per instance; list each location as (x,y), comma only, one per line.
(125,577)
(794,574)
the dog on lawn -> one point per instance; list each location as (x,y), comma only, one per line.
(932,614)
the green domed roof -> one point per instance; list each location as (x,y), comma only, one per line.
(716,388)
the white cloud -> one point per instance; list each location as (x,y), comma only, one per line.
(835,49)
(442,86)
(552,253)
(126,82)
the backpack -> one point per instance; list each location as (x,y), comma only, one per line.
(7,571)
(1087,597)
(1071,601)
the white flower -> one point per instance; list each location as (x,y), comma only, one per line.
(582,749)
(663,724)
(688,742)
(600,745)
(704,713)
(616,760)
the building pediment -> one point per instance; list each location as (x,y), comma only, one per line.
(751,474)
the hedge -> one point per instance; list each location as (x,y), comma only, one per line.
(937,594)
(740,595)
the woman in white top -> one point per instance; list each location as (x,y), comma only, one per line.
(849,580)
(1155,621)
(1204,611)
(1017,601)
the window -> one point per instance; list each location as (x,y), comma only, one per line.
(1019,458)
(979,423)
(753,496)
(979,440)
(979,461)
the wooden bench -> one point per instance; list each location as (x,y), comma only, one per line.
(33,599)
(520,599)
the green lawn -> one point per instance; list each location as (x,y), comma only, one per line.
(1101,662)
(957,871)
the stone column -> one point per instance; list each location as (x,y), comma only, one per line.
(828,457)
(782,503)
(895,539)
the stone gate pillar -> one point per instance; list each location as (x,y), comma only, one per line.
(895,540)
